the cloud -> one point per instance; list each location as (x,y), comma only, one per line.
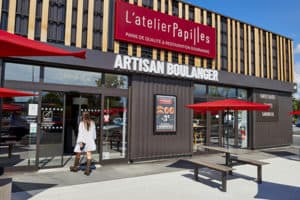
(296,69)
(297,49)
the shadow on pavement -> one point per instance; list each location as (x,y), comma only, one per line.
(284,154)
(182,164)
(207,180)
(209,176)
(23,186)
(276,191)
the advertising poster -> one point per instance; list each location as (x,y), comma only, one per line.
(165,113)
(33,109)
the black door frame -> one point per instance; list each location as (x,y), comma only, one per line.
(118,160)
(40,87)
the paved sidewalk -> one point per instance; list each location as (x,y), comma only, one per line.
(168,179)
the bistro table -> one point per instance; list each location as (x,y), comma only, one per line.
(227,151)
(8,141)
(220,149)
(236,152)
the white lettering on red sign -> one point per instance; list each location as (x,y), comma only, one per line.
(147,27)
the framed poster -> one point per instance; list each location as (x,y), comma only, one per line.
(165,113)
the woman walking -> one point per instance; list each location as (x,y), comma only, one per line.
(85,142)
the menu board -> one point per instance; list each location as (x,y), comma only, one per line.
(165,113)
(272,114)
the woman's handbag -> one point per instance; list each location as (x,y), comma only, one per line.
(82,146)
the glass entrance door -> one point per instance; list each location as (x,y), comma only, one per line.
(51,135)
(60,117)
(215,129)
(114,131)
(76,103)
(229,129)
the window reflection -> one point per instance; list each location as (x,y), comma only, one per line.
(221,92)
(22,72)
(218,133)
(115,81)
(242,129)
(199,126)
(51,129)
(17,129)
(199,90)
(231,92)
(72,77)
(212,91)
(242,94)
(114,142)
(85,78)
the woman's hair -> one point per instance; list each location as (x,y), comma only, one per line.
(86,120)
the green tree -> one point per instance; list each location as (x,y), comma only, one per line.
(296,106)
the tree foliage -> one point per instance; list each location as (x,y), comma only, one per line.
(296,104)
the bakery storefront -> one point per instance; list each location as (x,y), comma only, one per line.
(142,67)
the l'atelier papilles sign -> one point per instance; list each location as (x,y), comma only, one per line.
(144,26)
(143,65)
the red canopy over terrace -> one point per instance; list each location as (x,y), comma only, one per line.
(297,112)
(228,104)
(5,92)
(11,107)
(14,45)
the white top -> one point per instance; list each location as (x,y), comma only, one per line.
(86,136)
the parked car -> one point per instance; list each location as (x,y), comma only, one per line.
(118,121)
(14,124)
(297,124)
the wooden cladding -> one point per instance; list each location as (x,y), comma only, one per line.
(11,16)
(240,48)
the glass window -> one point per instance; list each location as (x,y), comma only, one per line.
(199,90)
(243,129)
(146,52)
(231,92)
(21,72)
(212,91)
(72,77)
(114,133)
(242,94)
(4,15)
(116,81)
(97,28)
(56,21)
(22,12)
(148,3)
(19,128)
(199,127)
(222,91)
(51,129)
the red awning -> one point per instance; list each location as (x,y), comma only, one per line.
(11,107)
(14,45)
(228,104)
(297,112)
(5,92)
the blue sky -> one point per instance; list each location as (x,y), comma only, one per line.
(282,17)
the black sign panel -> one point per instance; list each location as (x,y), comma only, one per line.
(272,114)
(165,113)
